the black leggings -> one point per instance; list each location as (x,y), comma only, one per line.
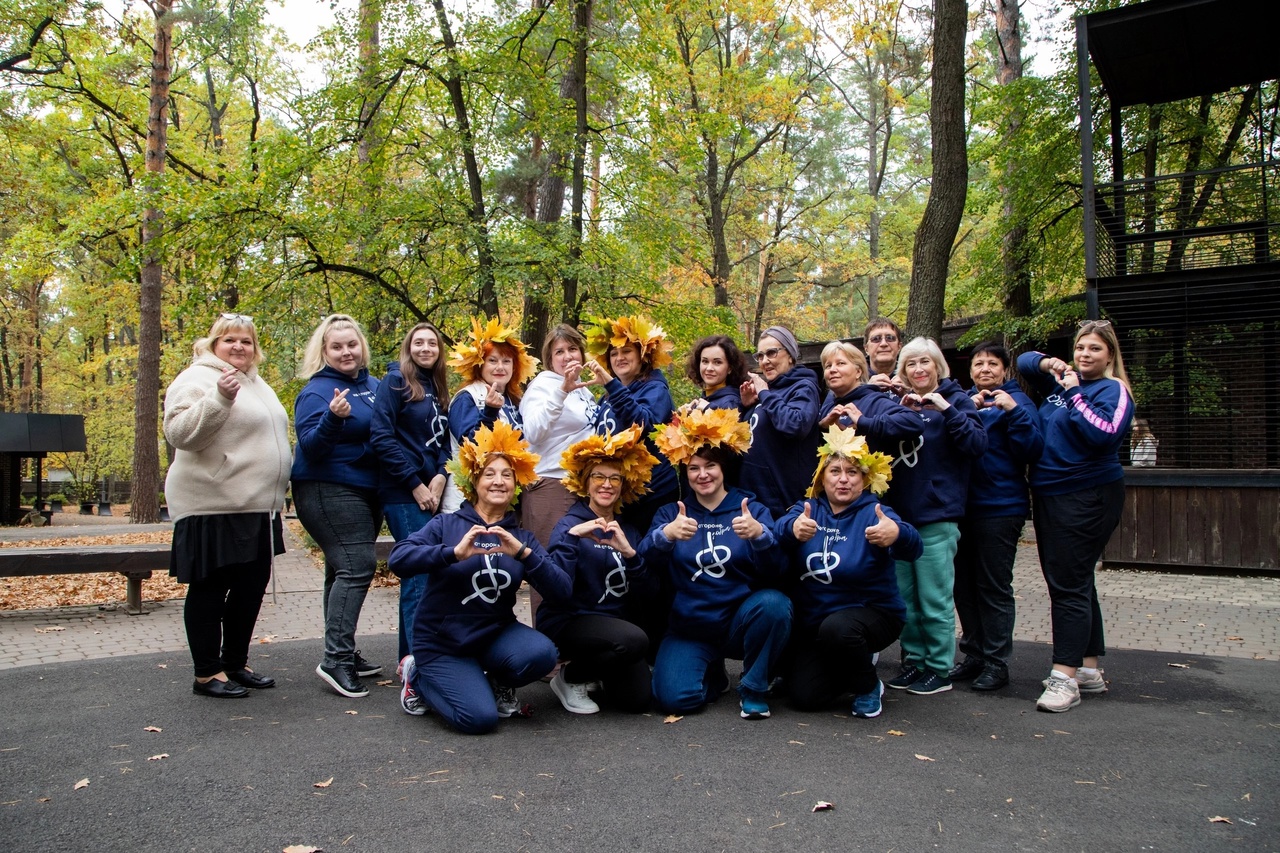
(220,613)
(837,659)
(611,651)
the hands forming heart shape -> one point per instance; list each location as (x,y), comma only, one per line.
(915,402)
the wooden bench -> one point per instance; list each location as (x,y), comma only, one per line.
(135,562)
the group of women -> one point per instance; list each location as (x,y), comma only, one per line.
(760,521)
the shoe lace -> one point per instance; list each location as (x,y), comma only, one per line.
(1058,685)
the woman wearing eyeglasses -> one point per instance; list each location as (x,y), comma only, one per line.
(335,487)
(781,405)
(1078,490)
(225,489)
(592,630)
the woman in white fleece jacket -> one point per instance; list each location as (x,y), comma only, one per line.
(225,489)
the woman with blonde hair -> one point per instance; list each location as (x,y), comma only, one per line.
(1078,490)
(225,490)
(852,401)
(335,487)
(495,366)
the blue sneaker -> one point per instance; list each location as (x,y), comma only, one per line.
(753,705)
(867,705)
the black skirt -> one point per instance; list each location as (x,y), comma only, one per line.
(203,545)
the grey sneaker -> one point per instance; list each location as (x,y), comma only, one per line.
(505,697)
(1060,694)
(1096,683)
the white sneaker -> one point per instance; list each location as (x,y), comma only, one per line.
(505,698)
(1095,683)
(573,697)
(1060,694)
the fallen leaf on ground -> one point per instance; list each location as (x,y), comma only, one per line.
(672,718)
(267,638)
(326,783)
(1235,639)
(301,848)
(158,757)
(823,806)
(1220,819)
(153,729)
(352,713)
(163,665)
(83,783)
(923,757)
(1178,665)
(897,733)
(386,683)
(43,799)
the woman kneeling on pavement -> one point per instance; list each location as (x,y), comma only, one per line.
(841,545)
(721,557)
(466,626)
(592,629)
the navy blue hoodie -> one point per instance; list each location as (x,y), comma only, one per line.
(715,571)
(601,575)
(1084,429)
(931,473)
(468,603)
(647,402)
(784,439)
(333,449)
(884,420)
(409,438)
(724,397)
(998,481)
(838,568)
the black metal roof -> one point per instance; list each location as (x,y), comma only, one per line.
(1167,50)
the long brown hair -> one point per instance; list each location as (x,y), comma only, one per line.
(413,390)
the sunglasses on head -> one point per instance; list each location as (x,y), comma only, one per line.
(236,318)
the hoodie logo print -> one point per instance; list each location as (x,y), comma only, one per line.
(909,457)
(830,561)
(439,428)
(498,580)
(712,559)
(615,583)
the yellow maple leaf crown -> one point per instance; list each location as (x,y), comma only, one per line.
(877,468)
(468,357)
(693,428)
(625,449)
(503,440)
(650,339)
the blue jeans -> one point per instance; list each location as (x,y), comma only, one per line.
(458,690)
(758,635)
(404,520)
(984,587)
(344,521)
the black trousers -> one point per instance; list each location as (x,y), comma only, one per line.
(611,651)
(220,613)
(836,660)
(1071,532)
(984,587)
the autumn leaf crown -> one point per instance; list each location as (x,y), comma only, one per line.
(625,449)
(467,357)
(650,339)
(503,440)
(694,428)
(839,441)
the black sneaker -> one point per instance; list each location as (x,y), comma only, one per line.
(364,668)
(928,685)
(909,676)
(343,679)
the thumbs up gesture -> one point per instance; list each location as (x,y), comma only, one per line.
(884,532)
(804,527)
(745,526)
(682,527)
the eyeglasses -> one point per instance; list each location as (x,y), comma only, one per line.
(771,353)
(888,339)
(240,318)
(601,479)
(1095,324)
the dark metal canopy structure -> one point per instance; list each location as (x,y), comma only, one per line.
(1167,50)
(32,436)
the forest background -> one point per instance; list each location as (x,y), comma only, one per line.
(717,166)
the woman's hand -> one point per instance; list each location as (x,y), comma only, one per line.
(845,410)
(591,529)
(507,542)
(618,539)
(602,374)
(884,532)
(750,390)
(573,377)
(933,398)
(467,547)
(804,527)
(682,527)
(1056,366)
(424,499)
(437,491)
(339,405)
(746,526)
(493,396)
(1002,399)
(1069,379)
(228,384)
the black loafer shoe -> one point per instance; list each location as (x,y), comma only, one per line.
(992,678)
(246,678)
(219,689)
(966,669)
